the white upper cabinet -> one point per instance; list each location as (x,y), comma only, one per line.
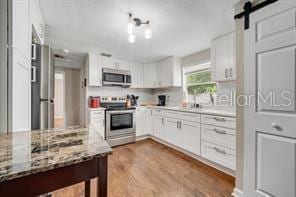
(108,62)
(21,66)
(21,38)
(149,75)
(137,75)
(37,21)
(168,72)
(223,58)
(94,69)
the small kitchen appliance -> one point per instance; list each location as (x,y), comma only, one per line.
(161,100)
(94,102)
(120,124)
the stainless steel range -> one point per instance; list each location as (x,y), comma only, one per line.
(120,121)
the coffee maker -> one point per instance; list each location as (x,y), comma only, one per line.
(161,100)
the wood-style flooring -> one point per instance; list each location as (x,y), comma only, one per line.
(150,169)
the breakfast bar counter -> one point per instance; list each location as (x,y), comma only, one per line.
(37,162)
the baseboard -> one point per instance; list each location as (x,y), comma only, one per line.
(237,193)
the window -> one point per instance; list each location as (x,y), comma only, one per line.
(198,80)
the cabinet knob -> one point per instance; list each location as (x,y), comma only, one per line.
(276,126)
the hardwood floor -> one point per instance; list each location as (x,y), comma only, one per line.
(150,169)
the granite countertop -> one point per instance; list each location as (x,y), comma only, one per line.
(210,111)
(25,153)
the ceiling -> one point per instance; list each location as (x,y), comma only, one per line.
(179,27)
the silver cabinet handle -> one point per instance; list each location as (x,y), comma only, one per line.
(33,78)
(220,131)
(219,119)
(226,73)
(162,121)
(189,115)
(189,125)
(220,150)
(230,72)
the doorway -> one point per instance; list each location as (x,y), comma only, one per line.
(59,108)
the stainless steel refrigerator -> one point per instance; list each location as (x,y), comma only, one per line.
(42,89)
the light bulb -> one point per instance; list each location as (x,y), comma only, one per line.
(131,38)
(130,25)
(148,32)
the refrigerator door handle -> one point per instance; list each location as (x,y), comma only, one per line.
(33,78)
(34,56)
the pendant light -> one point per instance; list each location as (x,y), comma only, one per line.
(130,24)
(131,38)
(136,22)
(148,32)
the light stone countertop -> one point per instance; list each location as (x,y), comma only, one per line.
(208,111)
(30,152)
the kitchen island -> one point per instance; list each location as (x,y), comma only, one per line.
(37,162)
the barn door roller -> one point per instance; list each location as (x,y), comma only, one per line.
(248,8)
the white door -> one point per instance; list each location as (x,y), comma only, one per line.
(94,70)
(149,75)
(148,121)
(140,122)
(137,75)
(191,136)
(220,57)
(173,132)
(123,64)
(108,62)
(158,127)
(270,122)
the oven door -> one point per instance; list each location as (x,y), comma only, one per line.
(120,122)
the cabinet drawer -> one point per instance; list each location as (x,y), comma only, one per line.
(97,114)
(157,112)
(192,117)
(221,121)
(218,154)
(172,114)
(218,135)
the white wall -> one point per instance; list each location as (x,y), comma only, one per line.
(59,96)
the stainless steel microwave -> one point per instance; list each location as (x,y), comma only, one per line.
(116,77)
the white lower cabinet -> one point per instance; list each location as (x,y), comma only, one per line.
(173,131)
(209,136)
(219,154)
(140,122)
(191,136)
(97,120)
(148,121)
(158,127)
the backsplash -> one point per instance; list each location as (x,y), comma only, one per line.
(224,89)
(145,95)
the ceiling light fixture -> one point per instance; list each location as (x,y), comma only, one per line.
(131,38)
(136,22)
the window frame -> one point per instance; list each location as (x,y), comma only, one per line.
(203,67)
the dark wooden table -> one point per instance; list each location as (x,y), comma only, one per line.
(73,156)
(48,181)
